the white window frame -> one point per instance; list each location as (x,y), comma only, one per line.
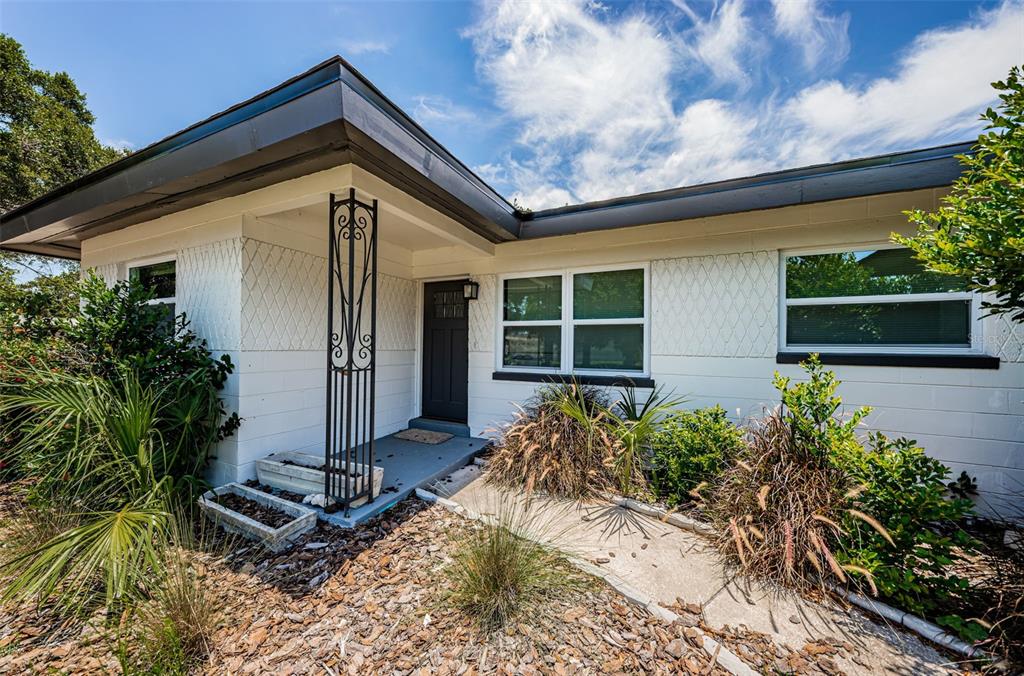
(567,323)
(977,340)
(146,262)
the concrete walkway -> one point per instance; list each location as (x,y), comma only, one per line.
(670,564)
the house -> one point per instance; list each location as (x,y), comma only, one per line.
(446,306)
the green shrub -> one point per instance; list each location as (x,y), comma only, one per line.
(120,435)
(33,317)
(906,491)
(779,505)
(808,499)
(122,331)
(691,448)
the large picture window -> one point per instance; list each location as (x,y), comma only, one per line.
(591,321)
(881,300)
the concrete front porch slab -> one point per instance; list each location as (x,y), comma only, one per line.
(408,465)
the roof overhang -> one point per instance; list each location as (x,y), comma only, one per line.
(328,116)
(332,115)
(895,172)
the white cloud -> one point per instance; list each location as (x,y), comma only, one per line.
(560,70)
(434,108)
(822,38)
(724,41)
(940,85)
(119,144)
(600,111)
(357,47)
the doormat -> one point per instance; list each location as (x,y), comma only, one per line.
(423,436)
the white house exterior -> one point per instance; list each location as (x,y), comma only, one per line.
(699,277)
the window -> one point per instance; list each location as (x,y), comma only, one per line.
(880,300)
(161,279)
(587,321)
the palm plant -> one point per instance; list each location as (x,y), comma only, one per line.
(97,449)
(634,427)
(582,405)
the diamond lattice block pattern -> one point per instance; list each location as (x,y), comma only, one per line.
(208,290)
(396,313)
(283,298)
(284,302)
(481,315)
(1004,338)
(715,306)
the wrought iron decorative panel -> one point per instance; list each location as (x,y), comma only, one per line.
(351,352)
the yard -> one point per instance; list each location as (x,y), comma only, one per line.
(607,524)
(107,565)
(369,601)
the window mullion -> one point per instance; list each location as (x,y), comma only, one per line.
(568,336)
(887,298)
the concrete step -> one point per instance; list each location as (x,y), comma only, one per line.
(454,428)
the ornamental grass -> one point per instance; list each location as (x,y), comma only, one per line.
(559,443)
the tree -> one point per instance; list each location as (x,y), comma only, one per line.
(46,136)
(978,232)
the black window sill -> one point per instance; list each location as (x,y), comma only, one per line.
(941,361)
(613,381)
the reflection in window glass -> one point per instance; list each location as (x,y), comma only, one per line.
(159,278)
(537,346)
(881,272)
(617,294)
(938,323)
(609,347)
(533,299)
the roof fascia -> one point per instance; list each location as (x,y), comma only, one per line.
(928,168)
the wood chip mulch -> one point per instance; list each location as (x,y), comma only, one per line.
(268,516)
(372,601)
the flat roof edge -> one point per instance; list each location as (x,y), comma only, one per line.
(895,172)
(89,193)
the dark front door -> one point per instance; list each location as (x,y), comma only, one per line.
(445,352)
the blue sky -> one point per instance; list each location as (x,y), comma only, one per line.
(561,102)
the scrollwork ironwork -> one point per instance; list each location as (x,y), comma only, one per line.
(351,349)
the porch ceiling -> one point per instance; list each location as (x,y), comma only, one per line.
(392,228)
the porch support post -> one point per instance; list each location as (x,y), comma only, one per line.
(351,351)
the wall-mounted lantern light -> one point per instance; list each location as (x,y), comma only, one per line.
(470,290)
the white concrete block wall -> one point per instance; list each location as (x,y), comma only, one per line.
(283,360)
(714,328)
(256,289)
